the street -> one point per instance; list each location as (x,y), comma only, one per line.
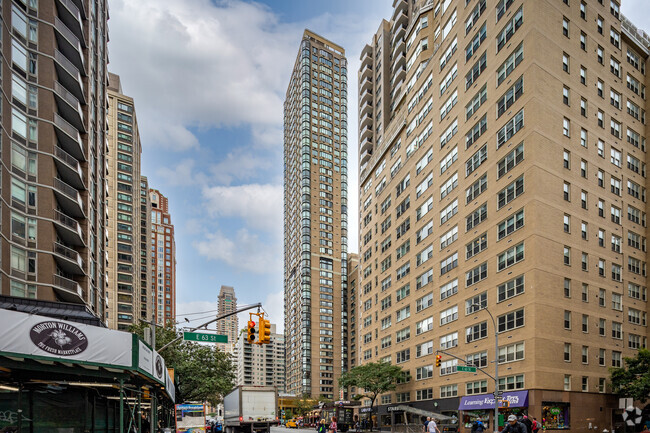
(287,430)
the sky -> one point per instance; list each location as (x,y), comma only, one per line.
(209,79)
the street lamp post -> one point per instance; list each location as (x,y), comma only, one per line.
(496,367)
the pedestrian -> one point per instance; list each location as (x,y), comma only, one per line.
(528,423)
(514,426)
(478,426)
(333,425)
(426,423)
(321,427)
(536,425)
(357,426)
(145,424)
(432,426)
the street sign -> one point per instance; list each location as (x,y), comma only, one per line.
(466,368)
(204,338)
(498,394)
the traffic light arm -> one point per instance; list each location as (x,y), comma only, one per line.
(223,316)
(469,365)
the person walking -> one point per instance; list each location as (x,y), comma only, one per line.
(357,425)
(528,423)
(514,426)
(536,425)
(426,423)
(432,426)
(320,427)
(333,425)
(478,426)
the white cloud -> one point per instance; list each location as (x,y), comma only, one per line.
(183,174)
(273,306)
(201,64)
(259,205)
(242,164)
(245,251)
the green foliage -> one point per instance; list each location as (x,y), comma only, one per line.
(201,372)
(304,404)
(375,378)
(633,379)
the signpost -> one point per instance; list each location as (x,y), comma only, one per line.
(466,368)
(204,338)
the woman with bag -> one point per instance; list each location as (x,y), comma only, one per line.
(333,425)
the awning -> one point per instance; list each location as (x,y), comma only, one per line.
(486,401)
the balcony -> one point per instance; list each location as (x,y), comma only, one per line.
(366,53)
(366,144)
(366,86)
(366,74)
(364,98)
(69,168)
(69,106)
(401,9)
(366,108)
(68,290)
(399,61)
(69,44)
(68,75)
(69,199)
(365,133)
(365,121)
(69,13)
(399,75)
(69,137)
(399,45)
(365,157)
(398,33)
(68,229)
(69,260)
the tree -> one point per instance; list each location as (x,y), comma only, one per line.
(201,372)
(375,378)
(304,404)
(633,379)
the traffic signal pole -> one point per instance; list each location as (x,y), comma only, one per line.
(223,316)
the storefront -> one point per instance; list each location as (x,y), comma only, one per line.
(367,418)
(555,415)
(481,406)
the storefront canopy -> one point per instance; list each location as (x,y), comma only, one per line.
(486,401)
(77,345)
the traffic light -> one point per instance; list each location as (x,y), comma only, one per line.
(438,360)
(265,331)
(251,330)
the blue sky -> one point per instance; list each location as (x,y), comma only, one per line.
(208,79)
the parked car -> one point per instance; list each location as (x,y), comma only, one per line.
(292,423)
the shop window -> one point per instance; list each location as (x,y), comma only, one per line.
(555,415)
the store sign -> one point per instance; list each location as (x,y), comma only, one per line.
(34,335)
(486,401)
(145,358)
(365,409)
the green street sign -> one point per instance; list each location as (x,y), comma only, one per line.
(465,368)
(204,338)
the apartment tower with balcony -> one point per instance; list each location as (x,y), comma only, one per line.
(162,260)
(506,194)
(53,176)
(123,300)
(147,295)
(229,326)
(315,218)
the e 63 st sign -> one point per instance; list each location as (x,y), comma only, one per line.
(204,338)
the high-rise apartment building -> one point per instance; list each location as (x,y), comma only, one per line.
(53,172)
(163,260)
(123,301)
(315,218)
(230,325)
(353,307)
(147,295)
(260,364)
(507,190)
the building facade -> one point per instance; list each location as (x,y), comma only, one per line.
(260,364)
(353,306)
(163,260)
(315,218)
(147,295)
(123,300)
(506,194)
(53,172)
(230,325)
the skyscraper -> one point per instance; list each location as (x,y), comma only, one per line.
(163,260)
(53,153)
(230,325)
(315,218)
(123,300)
(507,191)
(147,295)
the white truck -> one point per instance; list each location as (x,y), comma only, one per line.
(250,408)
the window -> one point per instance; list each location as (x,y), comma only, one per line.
(565,62)
(448,391)
(476,303)
(476,189)
(510,257)
(476,42)
(583,75)
(615,185)
(615,38)
(565,27)
(476,71)
(509,161)
(617,299)
(567,191)
(511,62)
(616,359)
(476,246)
(476,332)
(478,387)
(511,353)
(567,382)
(476,102)
(424,349)
(567,255)
(583,41)
(449,289)
(566,127)
(477,130)
(424,372)
(475,275)
(615,67)
(476,160)
(510,96)
(567,319)
(403,313)
(567,352)
(449,315)
(449,263)
(510,383)
(447,161)
(617,330)
(478,216)
(424,326)
(449,211)
(514,287)
(567,288)
(566,95)
(583,201)
(509,29)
